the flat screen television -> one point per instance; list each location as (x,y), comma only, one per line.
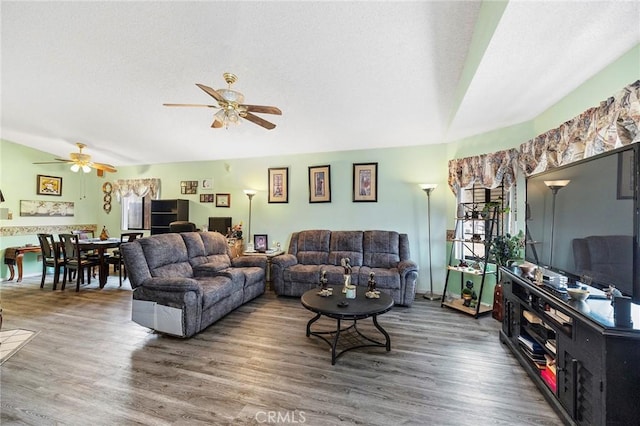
(591,227)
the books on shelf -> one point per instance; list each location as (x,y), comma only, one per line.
(551,345)
(533,346)
(549,378)
(531,317)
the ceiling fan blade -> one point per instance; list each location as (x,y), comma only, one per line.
(215,95)
(259,121)
(53,162)
(102,166)
(262,109)
(191,105)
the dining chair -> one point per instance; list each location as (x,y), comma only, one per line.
(75,261)
(116,256)
(50,258)
(87,234)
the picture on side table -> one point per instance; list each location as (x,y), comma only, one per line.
(223,200)
(365,182)
(260,242)
(320,184)
(49,185)
(279,185)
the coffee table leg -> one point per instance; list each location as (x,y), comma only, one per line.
(386,335)
(335,343)
(311,321)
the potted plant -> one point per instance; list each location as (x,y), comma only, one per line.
(507,250)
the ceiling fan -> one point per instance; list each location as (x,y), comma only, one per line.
(78,161)
(230,103)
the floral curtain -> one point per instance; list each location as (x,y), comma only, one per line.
(138,187)
(612,124)
(615,123)
(486,170)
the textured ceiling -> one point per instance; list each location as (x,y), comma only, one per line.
(347,75)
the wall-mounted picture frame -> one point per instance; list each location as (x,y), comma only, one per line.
(365,182)
(320,184)
(46,208)
(223,200)
(207,184)
(279,185)
(189,187)
(260,242)
(206,198)
(626,172)
(49,185)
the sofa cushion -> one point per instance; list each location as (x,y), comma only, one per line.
(303,273)
(166,256)
(209,248)
(385,278)
(311,247)
(381,249)
(345,244)
(217,288)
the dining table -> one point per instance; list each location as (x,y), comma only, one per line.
(100,247)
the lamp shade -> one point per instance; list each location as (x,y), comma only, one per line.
(556,183)
(1,197)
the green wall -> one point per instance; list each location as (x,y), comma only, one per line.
(401,205)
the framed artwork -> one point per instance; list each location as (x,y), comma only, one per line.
(46,208)
(279,185)
(365,182)
(207,184)
(320,184)
(223,200)
(260,242)
(49,185)
(206,198)
(189,187)
(626,172)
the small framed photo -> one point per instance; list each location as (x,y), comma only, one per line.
(320,184)
(207,184)
(189,187)
(206,198)
(365,182)
(49,185)
(260,242)
(279,185)
(223,200)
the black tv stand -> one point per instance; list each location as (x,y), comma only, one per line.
(586,367)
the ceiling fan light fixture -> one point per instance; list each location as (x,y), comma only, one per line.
(75,168)
(86,169)
(231,96)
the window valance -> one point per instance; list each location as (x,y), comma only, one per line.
(615,123)
(486,170)
(139,187)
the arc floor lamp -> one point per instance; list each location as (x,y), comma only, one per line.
(554,186)
(428,188)
(250,193)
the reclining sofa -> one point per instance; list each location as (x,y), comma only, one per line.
(386,253)
(184,282)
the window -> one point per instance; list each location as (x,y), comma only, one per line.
(136,212)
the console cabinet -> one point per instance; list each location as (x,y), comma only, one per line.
(163,212)
(586,367)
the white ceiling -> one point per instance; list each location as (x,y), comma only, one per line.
(347,75)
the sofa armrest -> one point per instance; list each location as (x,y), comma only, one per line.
(248,261)
(172,284)
(284,261)
(406,266)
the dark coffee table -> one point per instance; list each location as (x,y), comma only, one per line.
(357,309)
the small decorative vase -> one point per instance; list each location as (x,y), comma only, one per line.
(347,283)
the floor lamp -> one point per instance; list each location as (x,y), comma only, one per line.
(554,186)
(428,188)
(250,193)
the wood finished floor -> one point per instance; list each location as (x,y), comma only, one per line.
(91,365)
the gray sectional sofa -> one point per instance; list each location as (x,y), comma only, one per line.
(386,253)
(184,282)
